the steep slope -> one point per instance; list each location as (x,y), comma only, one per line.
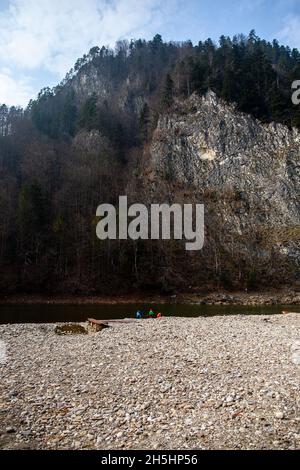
(207,143)
(127,94)
(139,120)
(246,173)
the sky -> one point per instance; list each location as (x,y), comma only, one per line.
(40,40)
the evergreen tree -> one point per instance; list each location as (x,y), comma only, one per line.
(89,118)
(168,93)
(145,123)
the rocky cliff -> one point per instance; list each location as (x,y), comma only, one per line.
(247,174)
(127,94)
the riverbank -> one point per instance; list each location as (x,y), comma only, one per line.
(175,383)
(272,297)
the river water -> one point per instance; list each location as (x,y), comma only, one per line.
(51,313)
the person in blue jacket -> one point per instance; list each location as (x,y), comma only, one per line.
(139,315)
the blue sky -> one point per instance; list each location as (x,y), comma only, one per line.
(40,40)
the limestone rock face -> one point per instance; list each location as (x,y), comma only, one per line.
(206,145)
(86,83)
(128,95)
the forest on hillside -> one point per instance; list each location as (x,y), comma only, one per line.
(74,147)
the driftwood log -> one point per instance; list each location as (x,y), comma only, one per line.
(99,325)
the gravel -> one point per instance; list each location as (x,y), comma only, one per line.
(227,382)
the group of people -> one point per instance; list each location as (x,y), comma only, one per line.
(139,315)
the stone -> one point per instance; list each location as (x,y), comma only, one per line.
(10,430)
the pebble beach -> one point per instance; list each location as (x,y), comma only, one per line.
(222,382)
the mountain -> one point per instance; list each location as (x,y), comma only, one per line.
(160,122)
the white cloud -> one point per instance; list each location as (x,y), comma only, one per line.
(53,34)
(14,91)
(40,37)
(290,33)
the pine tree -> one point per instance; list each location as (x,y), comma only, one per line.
(145,123)
(168,93)
(88,118)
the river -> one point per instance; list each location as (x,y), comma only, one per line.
(53,313)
